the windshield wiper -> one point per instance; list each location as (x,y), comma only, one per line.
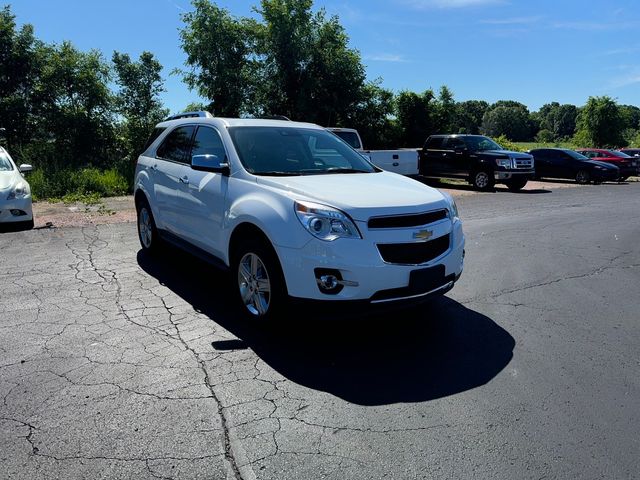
(276,173)
(344,170)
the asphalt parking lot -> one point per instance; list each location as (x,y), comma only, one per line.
(116,365)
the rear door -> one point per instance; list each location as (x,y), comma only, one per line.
(202,196)
(433,156)
(171,157)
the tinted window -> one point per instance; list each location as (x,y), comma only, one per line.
(152,138)
(454,142)
(208,142)
(575,155)
(434,143)
(177,145)
(295,151)
(615,153)
(350,137)
(540,154)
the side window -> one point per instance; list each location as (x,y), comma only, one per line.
(177,145)
(208,142)
(591,154)
(434,143)
(152,138)
(454,142)
(540,155)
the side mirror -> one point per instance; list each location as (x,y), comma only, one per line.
(210,163)
(25,167)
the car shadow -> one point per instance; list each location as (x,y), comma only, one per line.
(15,227)
(409,355)
(435,183)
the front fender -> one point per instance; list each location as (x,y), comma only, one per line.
(274,215)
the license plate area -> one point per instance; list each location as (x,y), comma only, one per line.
(426,279)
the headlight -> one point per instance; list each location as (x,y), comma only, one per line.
(21,190)
(324,222)
(452,207)
(503,162)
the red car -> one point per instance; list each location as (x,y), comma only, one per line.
(627,164)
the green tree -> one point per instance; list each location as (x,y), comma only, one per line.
(558,119)
(308,70)
(469,116)
(219,50)
(74,109)
(20,66)
(138,99)
(508,118)
(600,124)
(417,117)
(371,114)
(446,111)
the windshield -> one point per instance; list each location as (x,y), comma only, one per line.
(5,163)
(479,144)
(615,153)
(289,151)
(576,155)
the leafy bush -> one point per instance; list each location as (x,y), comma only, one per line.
(508,144)
(84,182)
(545,136)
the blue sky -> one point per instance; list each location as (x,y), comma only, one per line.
(531,51)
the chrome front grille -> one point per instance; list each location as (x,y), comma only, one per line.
(523,163)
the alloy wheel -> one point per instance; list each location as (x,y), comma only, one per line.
(254,284)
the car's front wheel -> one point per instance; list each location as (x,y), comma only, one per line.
(260,281)
(482,180)
(583,177)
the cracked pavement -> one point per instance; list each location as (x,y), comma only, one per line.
(117,365)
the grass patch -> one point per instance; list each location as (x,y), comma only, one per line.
(87,185)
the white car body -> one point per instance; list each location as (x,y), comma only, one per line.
(405,161)
(205,209)
(15,192)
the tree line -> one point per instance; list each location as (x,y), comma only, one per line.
(63,108)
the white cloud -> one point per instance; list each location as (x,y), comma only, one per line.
(422,4)
(630,78)
(386,57)
(512,21)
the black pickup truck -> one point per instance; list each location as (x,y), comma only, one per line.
(479,160)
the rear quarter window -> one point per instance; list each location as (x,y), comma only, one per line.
(152,138)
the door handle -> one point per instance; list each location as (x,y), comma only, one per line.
(184,180)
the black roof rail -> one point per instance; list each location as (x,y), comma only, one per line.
(200,114)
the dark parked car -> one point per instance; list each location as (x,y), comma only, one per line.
(479,160)
(632,152)
(627,164)
(565,163)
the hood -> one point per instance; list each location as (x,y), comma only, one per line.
(362,195)
(9,179)
(602,164)
(507,153)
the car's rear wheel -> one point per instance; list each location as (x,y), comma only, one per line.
(147,231)
(261,284)
(482,180)
(583,177)
(516,184)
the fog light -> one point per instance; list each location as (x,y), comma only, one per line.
(18,213)
(329,280)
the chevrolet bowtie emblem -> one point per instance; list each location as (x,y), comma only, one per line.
(423,235)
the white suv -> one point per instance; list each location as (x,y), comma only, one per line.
(294,211)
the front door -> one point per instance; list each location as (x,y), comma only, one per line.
(202,196)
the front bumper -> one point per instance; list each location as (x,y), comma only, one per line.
(501,176)
(367,277)
(22,205)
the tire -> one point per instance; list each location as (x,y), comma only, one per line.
(261,286)
(482,180)
(517,184)
(147,231)
(583,177)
